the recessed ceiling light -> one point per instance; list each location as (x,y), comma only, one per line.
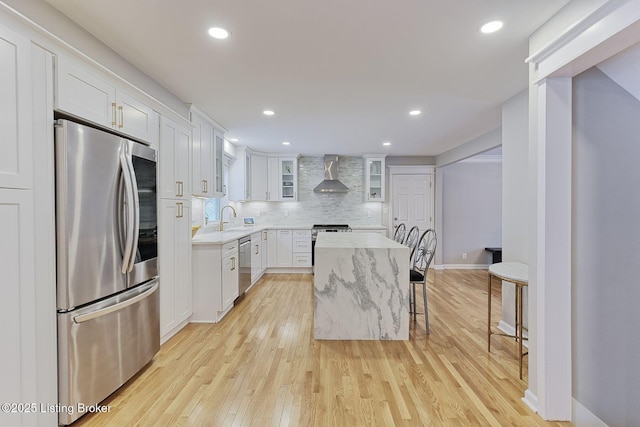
(218,33)
(234,140)
(386,143)
(268,112)
(415,112)
(286,143)
(491,27)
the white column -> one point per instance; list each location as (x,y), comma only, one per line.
(551,278)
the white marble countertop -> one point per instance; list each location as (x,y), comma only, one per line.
(209,234)
(355,240)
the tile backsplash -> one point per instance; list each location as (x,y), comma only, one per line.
(319,208)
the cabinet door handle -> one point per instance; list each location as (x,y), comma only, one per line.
(179,188)
(204,186)
(121,125)
(233,263)
(224,190)
(114,115)
(264,235)
(257,250)
(179,211)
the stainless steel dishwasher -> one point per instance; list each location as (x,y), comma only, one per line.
(244,265)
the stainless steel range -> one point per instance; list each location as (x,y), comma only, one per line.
(325,228)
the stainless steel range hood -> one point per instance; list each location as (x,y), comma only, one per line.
(331,183)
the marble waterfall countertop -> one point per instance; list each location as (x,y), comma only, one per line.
(361,287)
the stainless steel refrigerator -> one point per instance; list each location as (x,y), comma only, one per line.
(107,275)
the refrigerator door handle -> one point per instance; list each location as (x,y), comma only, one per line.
(116,307)
(136,209)
(128,185)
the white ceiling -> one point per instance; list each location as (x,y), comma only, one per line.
(341,75)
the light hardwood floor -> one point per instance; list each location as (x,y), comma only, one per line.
(261,367)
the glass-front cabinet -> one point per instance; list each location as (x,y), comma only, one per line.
(374,178)
(288,177)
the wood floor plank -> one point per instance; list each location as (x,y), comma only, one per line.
(261,367)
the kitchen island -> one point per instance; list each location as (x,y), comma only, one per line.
(361,287)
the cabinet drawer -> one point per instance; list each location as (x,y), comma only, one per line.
(229,248)
(302,260)
(302,233)
(301,245)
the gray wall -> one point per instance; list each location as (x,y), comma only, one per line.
(312,208)
(606,249)
(471,210)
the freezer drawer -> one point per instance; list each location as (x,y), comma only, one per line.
(103,345)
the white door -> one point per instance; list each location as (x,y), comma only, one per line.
(412,202)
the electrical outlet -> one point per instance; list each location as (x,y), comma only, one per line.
(464,255)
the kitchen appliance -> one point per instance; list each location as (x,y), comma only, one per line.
(325,228)
(107,273)
(244,265)
(331,184)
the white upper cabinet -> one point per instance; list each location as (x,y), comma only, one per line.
(273,179)
(203,164)
(259,176)
(16,160)
(374,172)
(87,93)
(207,155)
(259,173)
(173,160)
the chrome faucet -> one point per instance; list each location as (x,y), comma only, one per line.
(221,217)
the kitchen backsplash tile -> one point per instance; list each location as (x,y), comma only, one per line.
(320,208)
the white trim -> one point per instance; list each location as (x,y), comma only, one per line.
(573,32)
(511,330)
(463,266)
(590,41)
(531,400)
(493,158)
(411,170)
(582,417)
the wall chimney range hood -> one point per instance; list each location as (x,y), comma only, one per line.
(331,183)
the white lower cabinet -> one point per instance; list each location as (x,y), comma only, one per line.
(265,251)
(256,257)
(215,280)
(288,248)
(174,243)
(284,248)
(229,278)
(301,248)
(272,248)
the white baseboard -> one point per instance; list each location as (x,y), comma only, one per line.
(509,329)
(531,400)
(462,267)
(582,417)
(290,270)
